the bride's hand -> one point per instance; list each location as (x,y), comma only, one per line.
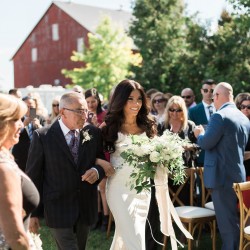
(109,169)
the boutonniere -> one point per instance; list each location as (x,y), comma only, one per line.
(86,136)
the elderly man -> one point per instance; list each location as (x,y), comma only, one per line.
(224,143)
(61,163)
(188,95)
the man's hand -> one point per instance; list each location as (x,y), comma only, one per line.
(34,225)
(198,130)
(90,176)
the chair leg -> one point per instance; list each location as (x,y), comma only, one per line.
(190,229)
(214,235)
(164,247)
(109,224)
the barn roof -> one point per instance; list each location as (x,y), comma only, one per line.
(90,16)
(87,16)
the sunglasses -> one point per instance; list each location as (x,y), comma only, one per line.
(55,105)
(242,106)
(206,90)
(175,110)
(186,96)
(159,101)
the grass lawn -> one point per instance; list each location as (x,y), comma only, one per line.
(98,241)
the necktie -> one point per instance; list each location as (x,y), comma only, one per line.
(210,110)
(30,131)
(73,145)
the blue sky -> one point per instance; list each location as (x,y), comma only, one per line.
(17,18)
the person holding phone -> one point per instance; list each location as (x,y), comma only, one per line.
(31,122)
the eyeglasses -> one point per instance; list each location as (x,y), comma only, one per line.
(242,106)
(78,111)
(206,90)
(159,101)
(186,96)
(212,99)
(175,110)
(55,105)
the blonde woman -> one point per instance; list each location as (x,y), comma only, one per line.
(176,121)
(18,196)
(54,110)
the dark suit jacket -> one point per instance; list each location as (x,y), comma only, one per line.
(50,165)
(224,143)
(21,149)
(198,116)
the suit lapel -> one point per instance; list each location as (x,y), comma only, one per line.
(61,141)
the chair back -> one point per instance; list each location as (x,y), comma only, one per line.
(177,192)
(205,192)
(239,189)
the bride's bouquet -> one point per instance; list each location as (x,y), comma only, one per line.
(145,155)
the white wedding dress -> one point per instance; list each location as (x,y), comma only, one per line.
(128,208)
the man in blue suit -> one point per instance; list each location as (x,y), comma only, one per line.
(200,114)
(224,143)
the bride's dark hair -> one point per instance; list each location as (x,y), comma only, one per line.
(115,115)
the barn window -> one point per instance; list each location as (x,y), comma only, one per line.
(55,32)
(80,44)
(34,54)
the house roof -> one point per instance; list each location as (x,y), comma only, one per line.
(88,16)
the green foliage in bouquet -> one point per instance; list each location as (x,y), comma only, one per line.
(145,155)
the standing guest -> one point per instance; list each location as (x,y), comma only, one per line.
(40,107)
(201,113)
(78,89)
(62,160)
(176,121)
(242,101)
(224,143)
(96,113)
(18,195)
(54,111)
(31,122)
(158,104)
(127,115)
(15,92)
(149,94)
(96,117)
(188,95)
(240,97)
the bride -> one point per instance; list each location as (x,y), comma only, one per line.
(127,115)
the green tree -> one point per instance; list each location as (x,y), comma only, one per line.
(159,32)
(229,49)
(107,59)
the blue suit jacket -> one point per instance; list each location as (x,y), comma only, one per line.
(224,142)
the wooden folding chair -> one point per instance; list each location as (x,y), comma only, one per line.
(111,219)
(193,216)
(239,189)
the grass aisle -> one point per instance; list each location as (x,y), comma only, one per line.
(98,241)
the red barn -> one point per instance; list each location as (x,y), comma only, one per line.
(48,48)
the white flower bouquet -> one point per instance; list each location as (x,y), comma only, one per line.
(35,241)
(145,155)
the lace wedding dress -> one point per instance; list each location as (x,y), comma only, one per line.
(128,208)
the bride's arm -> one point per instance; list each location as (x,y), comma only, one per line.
(107,167)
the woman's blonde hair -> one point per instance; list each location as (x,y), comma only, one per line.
(11,108)
(180,103)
